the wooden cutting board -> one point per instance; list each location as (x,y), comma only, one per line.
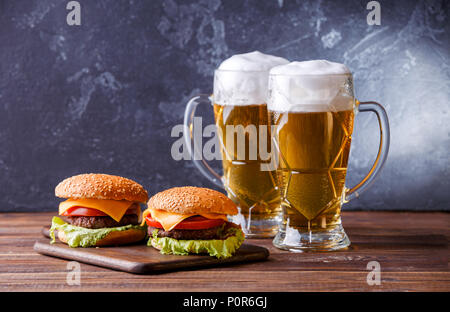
(140,259)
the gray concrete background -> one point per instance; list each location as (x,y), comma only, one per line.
(104,96)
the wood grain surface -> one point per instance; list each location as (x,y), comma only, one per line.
(140,259)
(412,249)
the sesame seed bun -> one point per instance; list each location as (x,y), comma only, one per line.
(193,200)
(101,186)
(113,238)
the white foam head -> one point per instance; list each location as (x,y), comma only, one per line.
(252,61)
(242,79)
(310,86)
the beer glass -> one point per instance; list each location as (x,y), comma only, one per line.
(313,117)
(239,117)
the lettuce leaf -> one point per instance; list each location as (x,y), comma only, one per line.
(83,237)
(219,248)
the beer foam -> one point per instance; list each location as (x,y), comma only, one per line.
(242,79)
(310,86)
(252,61)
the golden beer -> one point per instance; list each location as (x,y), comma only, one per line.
(312,107)
(253,190)
(239,99)
(313,157)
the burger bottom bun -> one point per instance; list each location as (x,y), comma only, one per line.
(113,238)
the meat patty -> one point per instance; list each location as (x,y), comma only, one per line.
(211,233)
(102,222)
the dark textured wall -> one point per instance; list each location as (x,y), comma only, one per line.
(104,96)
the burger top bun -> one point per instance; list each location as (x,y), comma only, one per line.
(101,186)
(192,200)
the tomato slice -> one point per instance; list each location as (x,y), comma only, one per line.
(91,212)
(191,223)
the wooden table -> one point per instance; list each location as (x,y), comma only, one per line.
(412,249)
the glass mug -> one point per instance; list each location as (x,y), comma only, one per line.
(312,145)
(254,191)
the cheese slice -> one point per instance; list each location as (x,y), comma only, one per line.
(113,208)
(170,220)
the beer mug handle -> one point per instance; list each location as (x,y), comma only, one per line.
(383,149)
(188,129)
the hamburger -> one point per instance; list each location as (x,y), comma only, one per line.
(192,220)
(100,210)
